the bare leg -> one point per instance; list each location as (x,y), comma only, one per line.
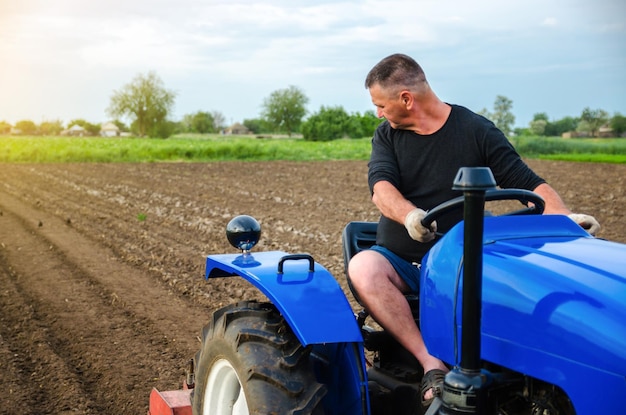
(381,291)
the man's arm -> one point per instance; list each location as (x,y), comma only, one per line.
(555,206)
(394,206)
(554,203)
(390,201)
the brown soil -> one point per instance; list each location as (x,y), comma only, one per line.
(102,294)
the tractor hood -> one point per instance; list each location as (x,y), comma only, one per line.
(554,299)
(566,294)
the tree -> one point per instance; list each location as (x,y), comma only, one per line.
(328,124)
(539,124)
(255,125)
(27,127)
(219,121)
(558,127)
(201,122)
(50,127)
(162,129)
(369,122)
(5,127)
(146,101)
(541,116)
(503,118)
(592,120)
(285,108)
(123,127)
(618,124)
(538,127)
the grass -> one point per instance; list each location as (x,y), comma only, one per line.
(179,148)
(597,150)
(194,148)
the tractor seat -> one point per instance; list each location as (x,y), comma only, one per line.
(356,237)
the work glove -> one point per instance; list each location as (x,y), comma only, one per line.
(587,222)
(413,224)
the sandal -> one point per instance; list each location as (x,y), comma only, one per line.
(432,380)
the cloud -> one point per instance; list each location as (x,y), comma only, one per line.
(213,52)
(549,21)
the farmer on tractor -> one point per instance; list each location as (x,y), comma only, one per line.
(416,152)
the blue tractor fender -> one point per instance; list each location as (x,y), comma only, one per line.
(319,314)
(305,293)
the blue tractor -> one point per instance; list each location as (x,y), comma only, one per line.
(528,310)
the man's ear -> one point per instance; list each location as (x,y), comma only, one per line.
(406,98)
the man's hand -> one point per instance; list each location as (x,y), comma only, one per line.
(413,224)
(587,222)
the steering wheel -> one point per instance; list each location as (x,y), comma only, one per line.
(522,195)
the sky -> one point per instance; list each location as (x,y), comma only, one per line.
(63,59)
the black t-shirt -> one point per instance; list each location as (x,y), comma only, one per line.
(423,168)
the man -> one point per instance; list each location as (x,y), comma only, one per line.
(416,153)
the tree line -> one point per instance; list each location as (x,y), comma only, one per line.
(588,124)
(147,105)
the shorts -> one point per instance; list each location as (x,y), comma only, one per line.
(408,271)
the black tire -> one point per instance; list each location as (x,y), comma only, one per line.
(252,341)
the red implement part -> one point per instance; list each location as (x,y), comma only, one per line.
(177,402)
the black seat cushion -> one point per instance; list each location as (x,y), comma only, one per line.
(356,236)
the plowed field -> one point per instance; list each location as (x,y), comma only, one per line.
(102,295)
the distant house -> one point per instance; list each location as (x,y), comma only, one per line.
(76,131)
(606,131)
(109,130)
(575,134)
(237,129)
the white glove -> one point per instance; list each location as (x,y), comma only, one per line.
(413,224)
(587,222)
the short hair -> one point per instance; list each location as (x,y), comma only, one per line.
(397,70)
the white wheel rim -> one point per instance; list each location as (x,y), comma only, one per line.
(223,393)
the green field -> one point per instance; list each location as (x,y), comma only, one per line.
(597,150)
(221,148)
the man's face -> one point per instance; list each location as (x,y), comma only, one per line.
(388,106)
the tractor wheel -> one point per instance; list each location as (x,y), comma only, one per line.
(251,363)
